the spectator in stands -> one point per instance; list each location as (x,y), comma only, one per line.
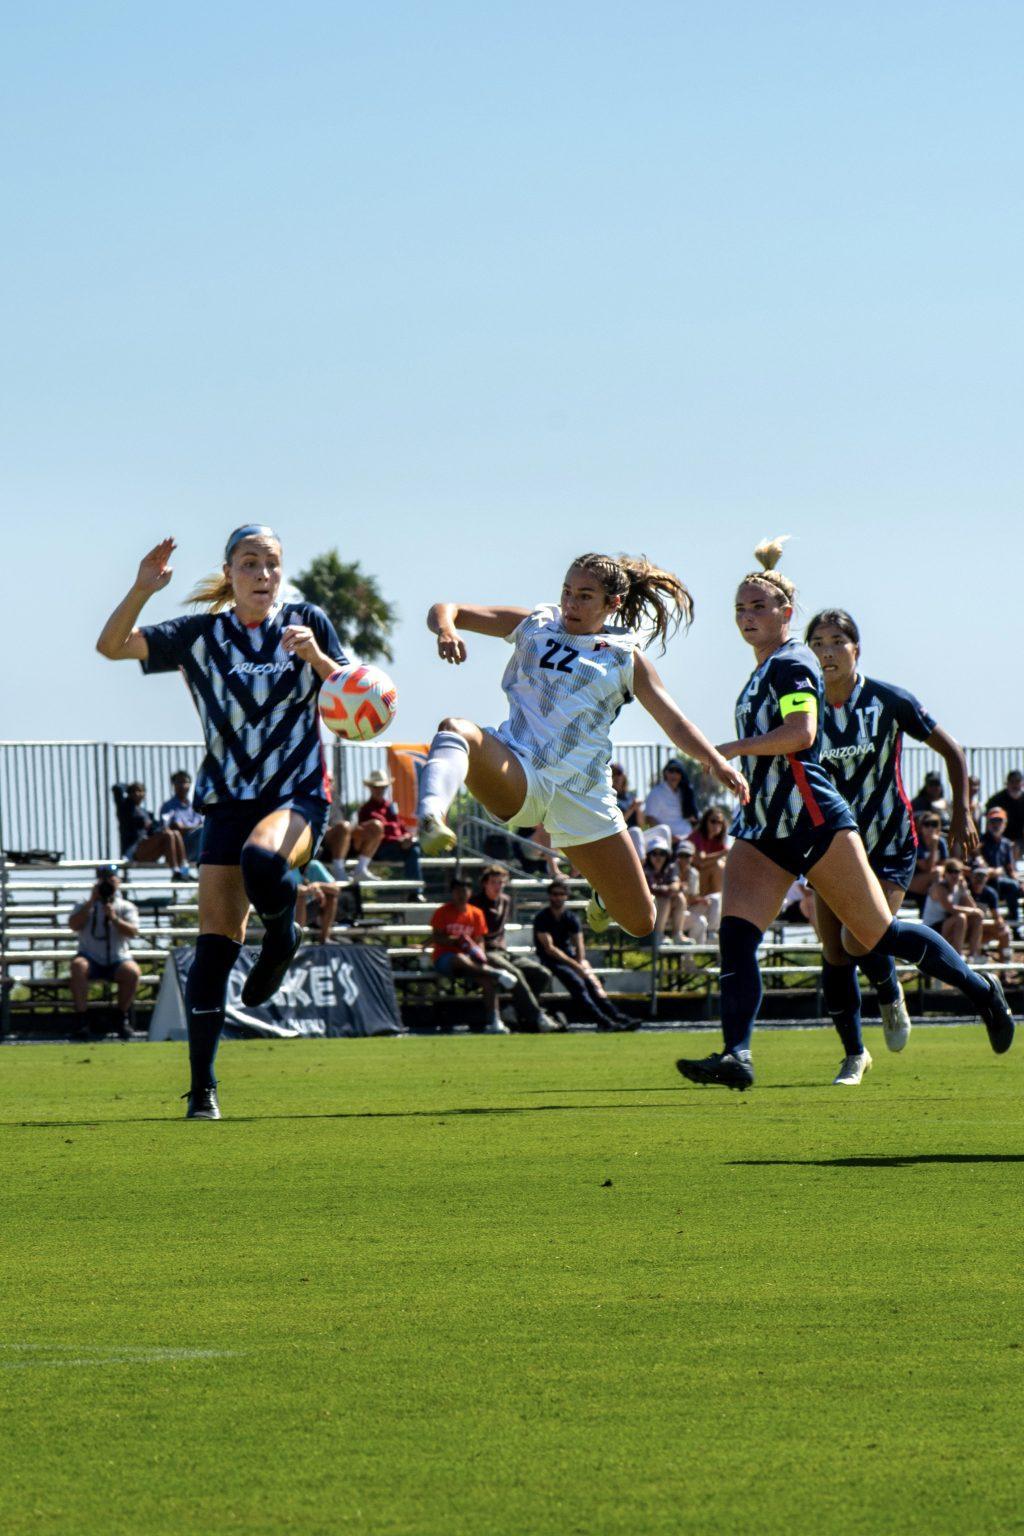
(397,844)
(931,855)
(178,814)
(317,891)
(662,874)
(974,800)
(625,799)
(558,937)
(994,927)
(932,797)
(703,913)
(143,840)
(530,976)
(711,842)
(671,803)
(950,909)
(1011,800)
(343,837)
(997,851)
(105,924)
(459,931)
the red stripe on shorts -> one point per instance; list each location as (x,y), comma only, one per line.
(806,792)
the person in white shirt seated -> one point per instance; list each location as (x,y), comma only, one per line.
(669,811)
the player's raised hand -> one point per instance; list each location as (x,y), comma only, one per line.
(154,570)
(451,647)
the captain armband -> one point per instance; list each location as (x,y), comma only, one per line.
(798,704)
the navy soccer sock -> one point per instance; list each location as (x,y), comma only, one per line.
(880,970)
(206,992)
(931,954)
(841,991)
(270,885)
(740,980)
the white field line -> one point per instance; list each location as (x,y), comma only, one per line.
(29,1356)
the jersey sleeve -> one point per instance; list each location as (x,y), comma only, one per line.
(911,715)
(326,635)
(794,685)
(170,642)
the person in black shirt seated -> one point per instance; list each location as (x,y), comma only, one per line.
(558,936)
(493,901)
(143,839)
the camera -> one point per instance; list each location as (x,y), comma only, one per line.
(106,890)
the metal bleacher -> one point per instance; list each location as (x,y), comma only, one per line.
(652,981)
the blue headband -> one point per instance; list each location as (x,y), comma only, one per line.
(248,531)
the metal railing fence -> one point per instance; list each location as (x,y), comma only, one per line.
(57,794)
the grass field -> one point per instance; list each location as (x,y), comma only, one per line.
(534,1285)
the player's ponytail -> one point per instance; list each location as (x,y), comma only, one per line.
(655,599)
(212,592)
(768,554)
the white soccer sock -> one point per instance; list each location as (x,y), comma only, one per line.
(362,864)
(338,869)
(444,774)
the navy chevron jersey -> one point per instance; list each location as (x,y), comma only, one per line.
(256,702)
(788,795)
(861,745)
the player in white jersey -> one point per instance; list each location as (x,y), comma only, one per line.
(574,665)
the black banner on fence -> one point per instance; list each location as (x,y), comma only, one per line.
(331,989)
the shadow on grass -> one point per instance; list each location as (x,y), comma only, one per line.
(339,1114)
(907,1160)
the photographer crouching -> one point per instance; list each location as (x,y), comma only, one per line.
(105,923)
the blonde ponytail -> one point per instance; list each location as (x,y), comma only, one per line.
(648,593)
(768,554)
(212,592)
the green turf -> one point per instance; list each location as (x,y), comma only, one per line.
(535,1285)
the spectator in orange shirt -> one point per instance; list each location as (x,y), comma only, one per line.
(459,931)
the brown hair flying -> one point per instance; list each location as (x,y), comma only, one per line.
(647,592)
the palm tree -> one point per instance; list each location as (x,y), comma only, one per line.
(353,602)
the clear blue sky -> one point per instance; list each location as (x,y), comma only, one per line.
(464,289)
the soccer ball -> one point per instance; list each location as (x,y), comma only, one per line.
(358,702)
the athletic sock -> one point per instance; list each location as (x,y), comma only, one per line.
(880,970)
(362,865)
(444,774)
(270,885)
(931,954)
(206,992)
(740,981)
(338,869)
(841,991)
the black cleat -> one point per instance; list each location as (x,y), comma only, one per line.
(202,1104)
(724,1068)
(270,970)
(997,1018)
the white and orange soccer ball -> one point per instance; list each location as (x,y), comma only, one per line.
(358,702)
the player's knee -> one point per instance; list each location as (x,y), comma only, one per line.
(642,924)
(266,876)
(453,723)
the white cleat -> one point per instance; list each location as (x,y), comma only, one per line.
(895,1023)
(496,1027)
(852,1070)
(361,876)
(435,836)
(597,917)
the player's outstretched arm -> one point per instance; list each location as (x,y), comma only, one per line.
(963,834)
(119,640)
(655,698)
(446,619)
